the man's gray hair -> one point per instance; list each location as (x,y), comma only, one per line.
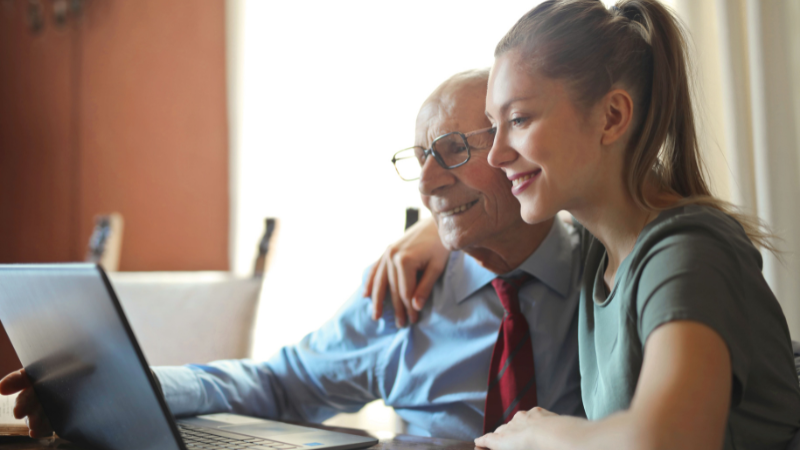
(468,79)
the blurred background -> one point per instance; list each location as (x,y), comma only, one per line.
(194,120)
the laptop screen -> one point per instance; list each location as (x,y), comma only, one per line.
(77,348)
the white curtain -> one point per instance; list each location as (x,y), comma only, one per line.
(747,55)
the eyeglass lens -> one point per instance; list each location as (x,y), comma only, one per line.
(452,150)
(407,164)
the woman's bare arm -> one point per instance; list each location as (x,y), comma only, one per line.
(681,402)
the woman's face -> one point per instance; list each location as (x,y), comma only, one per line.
(550,150)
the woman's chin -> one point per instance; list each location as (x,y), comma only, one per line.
(536,214)
(533,219)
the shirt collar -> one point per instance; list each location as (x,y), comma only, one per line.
(551,264)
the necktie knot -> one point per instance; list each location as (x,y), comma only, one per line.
(508,291)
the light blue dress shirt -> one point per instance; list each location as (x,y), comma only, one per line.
(433,373)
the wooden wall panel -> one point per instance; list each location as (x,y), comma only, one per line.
(124,111)
(154,134)
(37,154)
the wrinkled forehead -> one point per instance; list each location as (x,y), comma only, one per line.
(460,110)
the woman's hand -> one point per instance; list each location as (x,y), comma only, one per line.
(419,250)
(519,433)
(28,405)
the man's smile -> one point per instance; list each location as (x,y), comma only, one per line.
(458,209)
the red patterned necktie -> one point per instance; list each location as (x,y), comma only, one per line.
(512,378)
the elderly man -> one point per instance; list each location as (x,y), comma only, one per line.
(434,373)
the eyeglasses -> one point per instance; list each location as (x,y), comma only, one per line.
(450,150)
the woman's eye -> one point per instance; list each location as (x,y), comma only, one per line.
(517,121)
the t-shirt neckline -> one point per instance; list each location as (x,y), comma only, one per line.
(599,288)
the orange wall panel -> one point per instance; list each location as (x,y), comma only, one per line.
(124,110)
(37,190)
(154,134)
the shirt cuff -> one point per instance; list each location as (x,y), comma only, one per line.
(181,388)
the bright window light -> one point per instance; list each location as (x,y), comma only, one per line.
(324,94)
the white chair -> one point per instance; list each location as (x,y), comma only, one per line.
(189,317)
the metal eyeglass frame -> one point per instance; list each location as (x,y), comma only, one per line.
(436,155)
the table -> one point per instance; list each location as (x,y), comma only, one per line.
(386,442)
(403,441)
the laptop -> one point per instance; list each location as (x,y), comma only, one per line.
(94,384)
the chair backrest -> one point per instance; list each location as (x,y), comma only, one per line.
(105,244)
(189,317)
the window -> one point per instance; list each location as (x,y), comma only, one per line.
(322,94)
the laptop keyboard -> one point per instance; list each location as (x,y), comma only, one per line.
(197,438)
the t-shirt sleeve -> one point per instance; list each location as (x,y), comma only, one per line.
(695,276)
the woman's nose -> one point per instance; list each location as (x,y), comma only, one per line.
(501,154)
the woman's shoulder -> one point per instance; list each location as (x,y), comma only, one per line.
(697,226)
(694,241)
(695,216)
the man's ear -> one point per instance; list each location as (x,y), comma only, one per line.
(618,114)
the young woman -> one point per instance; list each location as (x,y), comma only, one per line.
(682,343)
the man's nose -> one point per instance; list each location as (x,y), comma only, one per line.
(501,153)
(434,177)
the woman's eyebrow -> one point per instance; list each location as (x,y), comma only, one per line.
(510,102)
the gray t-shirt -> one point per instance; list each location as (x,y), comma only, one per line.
(691,263)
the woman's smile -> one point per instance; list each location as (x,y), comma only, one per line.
(521,181)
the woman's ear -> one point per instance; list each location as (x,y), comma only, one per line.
(618,114)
